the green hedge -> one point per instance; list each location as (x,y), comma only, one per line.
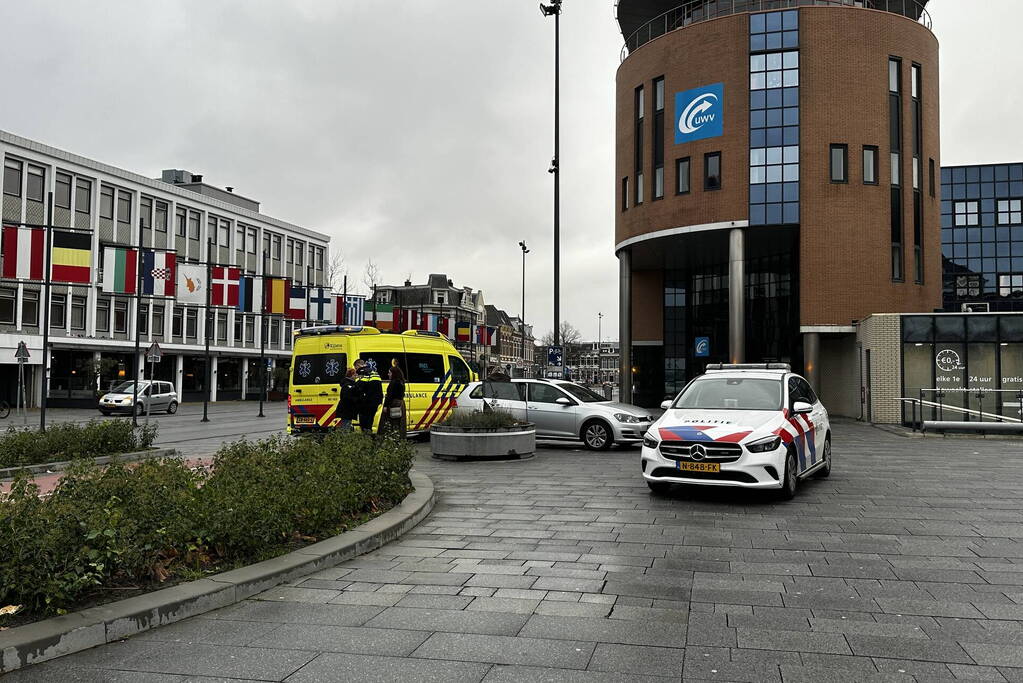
(137,525)
(490,419)
(68,441)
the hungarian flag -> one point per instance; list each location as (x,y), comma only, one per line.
(23,251)
(120,273)
(321,304)
(296,303)
(158,272)
(71,257)
(250,295)
(275,294)
(225,286)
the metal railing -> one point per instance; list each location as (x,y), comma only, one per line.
(695,11)
(935,403)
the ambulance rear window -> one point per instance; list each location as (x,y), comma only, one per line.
(319,368)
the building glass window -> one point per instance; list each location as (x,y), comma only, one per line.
(839,163)
(121,316)
(180,223)
(870,165)
(625,194)
(143,318)
(106,202)
(176,321)
(123,207)
(712,171)
(774,31)
(639,188)
(277,248)
(30,308)
(191,323)
(158,311)
(966,213)
(774,70)
(78,312)
(12,177)
(225,232)
(58,311)
(252,240)
(36,184)
(83,195)
(1009,212)
(640,108)
(291,251)
(682,176)
(222,326)
(103,314)
(160,221)
(193,225)
(895,142)
(62,191)
(658,138)
(7,305)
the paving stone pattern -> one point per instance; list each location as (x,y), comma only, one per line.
(906,565)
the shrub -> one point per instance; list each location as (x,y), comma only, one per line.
(135,524)
(491,419)
(69,441)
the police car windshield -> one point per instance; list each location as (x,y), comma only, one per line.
(582,393)
(731,393)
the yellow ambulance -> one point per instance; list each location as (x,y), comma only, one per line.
(435,373)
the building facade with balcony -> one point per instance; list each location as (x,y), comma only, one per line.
(598,362)
(92,334)
(776,182)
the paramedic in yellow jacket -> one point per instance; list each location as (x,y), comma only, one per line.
(369,394)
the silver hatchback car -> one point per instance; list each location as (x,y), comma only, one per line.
(561,410)
(152,395)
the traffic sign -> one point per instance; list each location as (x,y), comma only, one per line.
(154,353)
(22,353)
(554,356)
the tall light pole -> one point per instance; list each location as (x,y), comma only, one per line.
(554,9)
(600,361)
(522,311)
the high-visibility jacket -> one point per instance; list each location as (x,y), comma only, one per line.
(369,392)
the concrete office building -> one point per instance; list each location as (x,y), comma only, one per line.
(91,333)
(776,181)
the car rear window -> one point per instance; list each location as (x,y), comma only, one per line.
(505,391)
(319,368)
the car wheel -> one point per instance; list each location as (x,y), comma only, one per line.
(791,481)
(659,487)
(172,407)
(597,435)
(825,471)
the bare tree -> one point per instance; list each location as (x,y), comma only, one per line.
(337,269)
(371,277)
(569,335)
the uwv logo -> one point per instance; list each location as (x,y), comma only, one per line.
(699,113)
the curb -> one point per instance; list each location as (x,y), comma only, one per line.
(51,638)
(50,467)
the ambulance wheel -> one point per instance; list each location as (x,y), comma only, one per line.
(173,407)
(790,482)
(825,471)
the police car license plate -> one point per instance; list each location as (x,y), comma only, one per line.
(699,466)
(305,420)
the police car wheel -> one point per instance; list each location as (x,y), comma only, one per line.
(597,436)
(659,487)
(790,482)
(825,469)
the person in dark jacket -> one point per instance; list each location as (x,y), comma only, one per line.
(348,401)
(392,419)
(370,393)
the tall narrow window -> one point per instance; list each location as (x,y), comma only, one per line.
(682,176)
(930,173)
(106,202)
(895,143)
(640,105)
(658,138)
(83,196)
(625,193)
(62,195)
(36,184)
(869,165)
(839,163)
(712,171)
(918,219)
(12,177)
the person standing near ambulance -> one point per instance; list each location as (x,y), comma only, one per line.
(348,401)
(369,394)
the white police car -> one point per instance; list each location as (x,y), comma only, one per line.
(756,426)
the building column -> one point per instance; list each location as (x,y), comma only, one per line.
(736,296)
(179,374)
(625,325)
(213,378)
(811,359)
(245,373)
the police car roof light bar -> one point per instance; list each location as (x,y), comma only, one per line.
(749,366)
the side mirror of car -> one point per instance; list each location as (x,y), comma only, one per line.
(665,405)
(801,408)
(562,401)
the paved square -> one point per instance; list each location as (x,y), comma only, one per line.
(907,564)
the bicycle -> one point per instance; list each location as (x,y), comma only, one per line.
(5,409)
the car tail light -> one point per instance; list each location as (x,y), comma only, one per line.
(289,404)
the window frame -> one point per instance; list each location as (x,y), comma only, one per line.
(14,165)
(35,171)
(688,161)
(11,296)
(706,172)
(875,153)
(83,189)
(30,298)
(63,180)
(843,177)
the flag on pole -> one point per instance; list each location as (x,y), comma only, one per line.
(352,312)
(23,252)
(71,257)
(191,280)
(463,331)
(486,336)
(250,295)
(119,270)
(275,294)
(157,272)
(321,305)
(297,303)
(225,286)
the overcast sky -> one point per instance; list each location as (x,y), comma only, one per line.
(417,133)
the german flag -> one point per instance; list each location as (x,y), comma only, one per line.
(71,257)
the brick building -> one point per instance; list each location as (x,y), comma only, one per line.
(777,182)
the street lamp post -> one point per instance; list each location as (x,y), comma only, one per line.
(554,9)
(600,360)
(522,310)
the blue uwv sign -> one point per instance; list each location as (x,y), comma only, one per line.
(699,113)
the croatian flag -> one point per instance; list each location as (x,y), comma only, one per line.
(321,304)
(158,272)
(225,286)
(296,303)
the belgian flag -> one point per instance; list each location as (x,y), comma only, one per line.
(71,257)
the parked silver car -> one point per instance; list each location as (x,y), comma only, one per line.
(561,410)
(154,395)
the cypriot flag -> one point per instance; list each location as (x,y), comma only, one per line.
(191,284)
